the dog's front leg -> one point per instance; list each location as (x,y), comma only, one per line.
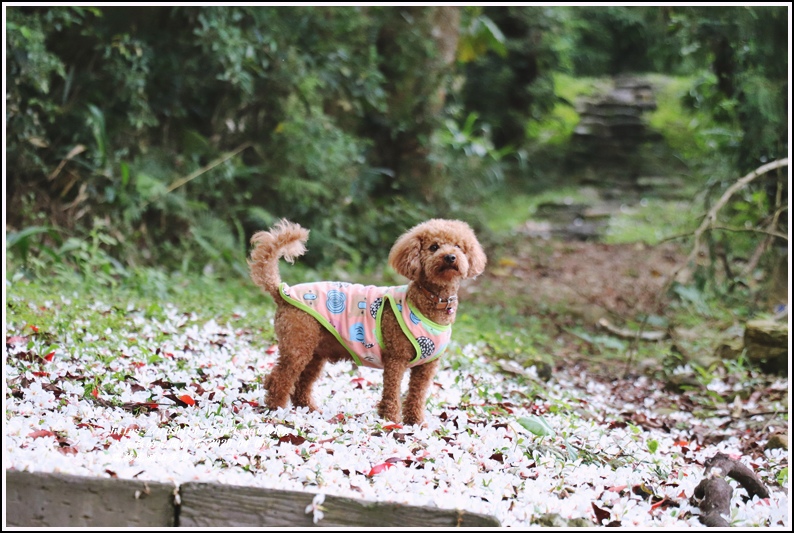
(418,388)
(389,406)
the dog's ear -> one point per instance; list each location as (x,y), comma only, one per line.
(477,258)
(404,255)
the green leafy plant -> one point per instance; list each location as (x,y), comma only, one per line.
(537,426)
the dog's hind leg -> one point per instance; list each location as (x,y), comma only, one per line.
(302,397)
(298,335)
(418,387)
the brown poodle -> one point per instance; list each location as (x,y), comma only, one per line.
(332,321)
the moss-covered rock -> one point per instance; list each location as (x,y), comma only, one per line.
(766,342)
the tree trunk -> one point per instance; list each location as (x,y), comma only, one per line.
(417,46)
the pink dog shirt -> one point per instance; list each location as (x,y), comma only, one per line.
(352,312)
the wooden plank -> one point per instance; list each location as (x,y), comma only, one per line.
(38,499)
(210,505)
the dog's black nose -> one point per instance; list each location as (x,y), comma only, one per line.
(450,258)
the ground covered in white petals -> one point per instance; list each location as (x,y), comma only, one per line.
(177,397)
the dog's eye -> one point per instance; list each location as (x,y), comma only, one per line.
(433,247)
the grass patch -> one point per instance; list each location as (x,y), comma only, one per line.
(75,315)
(557,127)
(509,209)
(652,221)
(691,133)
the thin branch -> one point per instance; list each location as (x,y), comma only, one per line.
(707,223)
(196,173)
(767,231)
(711,216)
(770,233)
(761,248)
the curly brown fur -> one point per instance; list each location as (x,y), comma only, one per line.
(434,255)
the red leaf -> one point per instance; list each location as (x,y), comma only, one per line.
(659,503)
(292,439)
(95,393)
(377,469)
(41,433)
(187,399)
(681,443)
(600,514)
(389,427)
(272,349)
(49,356)
(138,364)
(41,373)
(34,328)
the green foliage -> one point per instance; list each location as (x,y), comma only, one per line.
(508,90)
(537,426)
(473,168)
(478,35)
(558,125)
(653,445)
(191,128)
(653,221)
(616,39)
(782,476)
(748,83)
(166,135)
(33,69)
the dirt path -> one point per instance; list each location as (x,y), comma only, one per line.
(586,279)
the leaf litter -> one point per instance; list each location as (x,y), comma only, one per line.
(179,399)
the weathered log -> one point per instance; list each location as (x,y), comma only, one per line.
(41,499)
(213,505)
(738,471)
(714,495)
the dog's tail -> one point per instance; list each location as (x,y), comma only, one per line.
(286,239)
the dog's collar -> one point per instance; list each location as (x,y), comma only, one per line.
(441,303)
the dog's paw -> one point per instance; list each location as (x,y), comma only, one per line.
(389,411)
(414,420)
(305,403)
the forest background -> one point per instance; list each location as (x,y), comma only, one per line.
(144,146)
(165,136)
